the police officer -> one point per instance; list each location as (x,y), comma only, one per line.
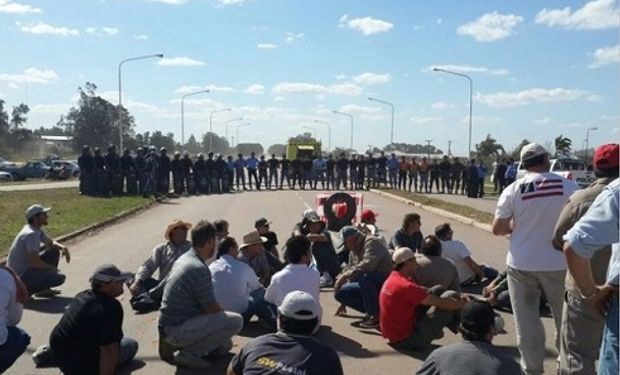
(341,169)
(361,171)
(163,172)
(381,163)
(113,165)
(128,173)
(240,165)
(101,178)
(263,167)
(230,172)
(252,164)
(222,175)
(296,165)
(200,173)
(371,171)
(151,166)
(187,166)
(285,171)
(455,175)
(211,175)
(139,164)
(273,171)
(435,173)
(329,171)
(177,173)
(86,162)
(445,168)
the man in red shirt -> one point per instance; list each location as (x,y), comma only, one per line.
(405,318)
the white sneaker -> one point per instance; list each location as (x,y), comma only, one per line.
(326,280)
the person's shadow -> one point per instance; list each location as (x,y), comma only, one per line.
(418,354)
(343,344)
(54,305)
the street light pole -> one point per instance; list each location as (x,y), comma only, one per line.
(183,113)
(120,95)
(449,148)
(211,126)
(392,106)
(588,141)
(471,95)
(350,117)
(228,123)
(329,133)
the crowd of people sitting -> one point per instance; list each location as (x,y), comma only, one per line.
(209,286)
(152,172)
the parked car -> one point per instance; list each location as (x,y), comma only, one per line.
(5,176)
(573,169)
(32,169)
(4,162)
(74,169)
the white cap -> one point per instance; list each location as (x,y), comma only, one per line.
(36,209)
(297,301)
(402,254)
(532,150)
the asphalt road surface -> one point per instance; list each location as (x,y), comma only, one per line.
(128,243)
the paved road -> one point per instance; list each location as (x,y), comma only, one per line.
(40,186)
(127,243)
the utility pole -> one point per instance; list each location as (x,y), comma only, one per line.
(449,148)
(428,147)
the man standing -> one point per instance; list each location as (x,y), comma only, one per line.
(89,337)
(285,172)
(435,174)
(392,165)
(330,166)
(128,169)
(240,165)
(113,166)
(472,179)
(139,164)
(582,323)
(151,167)
(482,174)
(13,340)
(37,268)
(500,175)
(528,210)
(187,167)
(423,168)
(200,174)
(252,164)
(163,172)
(273,171)
(445,168)
(190,319)
(455,176)
(403,168)
(381,165)
(319,171)
(87,172)
(263,168)
(211,173)
(342,164)
(177,176)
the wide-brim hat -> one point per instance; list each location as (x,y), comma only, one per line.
(252,238)
(174,225)
(109,272)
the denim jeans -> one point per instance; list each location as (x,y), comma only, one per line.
(16,343)
(362,293)
(265,311)
(608,360)
(37,280)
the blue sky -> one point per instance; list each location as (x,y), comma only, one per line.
(540,68)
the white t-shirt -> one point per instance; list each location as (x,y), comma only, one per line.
(28,241)
(233,281)
(456,251)
(534,203)
(290,278)
(10,310)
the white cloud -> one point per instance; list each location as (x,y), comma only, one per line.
(595,15)
(266,46)
(211,88)
(346,88)
(425,120)
(171,2)
(535,95)
(360,109)
(91,30)
(230,2)
(491,26)
(606,56)
(255,89)
(366,25)
(280,98)
(542,121)
(440,106)
(292,37)
(7,6)
(180,61)
(43,28)
(368,79)
(141,37)
(30,75)
(110,30)
(468,69)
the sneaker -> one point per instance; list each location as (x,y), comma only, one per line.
(47,293)
(185,360)
(370,323)
(326,280)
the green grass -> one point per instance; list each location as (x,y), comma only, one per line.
(70,212)
(472,213)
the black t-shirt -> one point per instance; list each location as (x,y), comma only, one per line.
(330,164)
(285,163)
(272,241)
(434,169)
(92,320)
(263,165)
(381,162)
(279,353)
(296,164)
(353,164)
(307,165)
(445,167)
(210,165)
(342,164)
(273,163)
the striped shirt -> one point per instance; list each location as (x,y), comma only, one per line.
(188,291)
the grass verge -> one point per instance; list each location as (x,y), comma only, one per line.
(70,212)
(466,211)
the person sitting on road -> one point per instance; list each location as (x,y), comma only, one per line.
(476,354)
(368,224)
(359,284)
(469,271)
(409,234)
(291,349)
(433,269)
(253,253)
(236,286)
(38,269)
(89,338)
(191,322)
(162,258)
(297,275)
(407,321)
(262,226)
(13,340)
(221,232)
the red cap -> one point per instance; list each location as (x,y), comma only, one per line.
(606,156)
(368,215)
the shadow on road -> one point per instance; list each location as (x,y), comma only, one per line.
(514,352)
(54,305)
(132,366)
(343,344)
(419,354)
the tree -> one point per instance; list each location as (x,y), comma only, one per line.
(18,116)
(4,119)
(304,137)
(220,144)
(192,146)
(489,148)
(18,135)
(516,153)
(54,130)
(247,148)
(159,140)
(277,149)
(563,146)
(411,149)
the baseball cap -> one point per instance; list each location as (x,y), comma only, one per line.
(36,209)
(109,272)
(402,254)
(606,156)
(532,150)
(261,222)
(299,305)
(369,215)
(312,216)
(477,316)
(347,231)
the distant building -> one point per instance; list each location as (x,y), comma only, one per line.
(57,140)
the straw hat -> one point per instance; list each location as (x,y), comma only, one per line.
(252,238)
(177,223)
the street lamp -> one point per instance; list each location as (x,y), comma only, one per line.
(228,123)
(211,125)
(588,141)
(120,96)
(392,106)
(238,126)
(329,133)
(183,113)
(313,129)
(350,117)
(471,94)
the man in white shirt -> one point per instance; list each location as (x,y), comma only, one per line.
(469,270)
(13,340)
(527,210)
(236,286)
(297,275)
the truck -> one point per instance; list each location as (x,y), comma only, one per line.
(302,149)
(570,168)
(32,169)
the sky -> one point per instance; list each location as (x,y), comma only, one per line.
(539,68)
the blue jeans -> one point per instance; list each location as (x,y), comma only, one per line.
(608,360)
(362,293)
(37,280)
(16,343)
(261,308)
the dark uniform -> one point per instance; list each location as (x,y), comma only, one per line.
(163,172)
(381,165)
(140,164)
(263,167)
(177,173)
(342,164)
(187,167)
(128,169)
(331,177)
(435,173)
(456,173)
(371,171)
(353,172)
(211,174)
(445,169)
(297,172)
(101,178)
(240,165)
(221,174)
(151,167)
(86,162)
(472,180)
(200,173)
(273,171)
(361,172)
(306,165)
(113,166)
(285,171)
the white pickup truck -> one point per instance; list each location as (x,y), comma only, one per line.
(573,169)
